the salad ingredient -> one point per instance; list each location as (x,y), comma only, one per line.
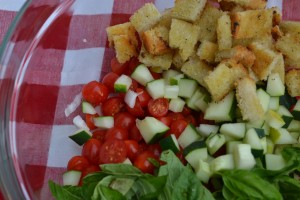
(109,80)
(91,151)
(123,83)
(170,142)
(95,92)
(124,120)
(71,177)
(80,123)
(112,106)
(77,163)
(142,75)
(116,133)
(104,122)
(81,136)
(113,151)
(158,107)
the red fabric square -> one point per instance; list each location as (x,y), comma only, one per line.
(35,176)
(8,16)
(291,10)
(37,103)
(128,6)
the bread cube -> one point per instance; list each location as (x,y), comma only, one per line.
(249,4)
(293,82)
(207,51)
(188,10)
(289,46)
(122,29)
(224,35)
(124,48)
(290,27)
(156,40)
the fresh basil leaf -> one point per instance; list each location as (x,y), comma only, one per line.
(93,177)
(121,169)
(228,195)
(289,187)
(291,154)
(65,192)
(105,193)
(88,190)
(248,185)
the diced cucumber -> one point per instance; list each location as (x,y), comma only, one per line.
(171,91)
(266,128)
(264,98)
(81,136)
(214,142)
(274,120)
(127,161)
(168,74)
(176,105)
(169,142)
(295,135)
(279,147)
(224,162)
(252,138)
(191,101)
(202,103)
(233,130)
(281,136)
(151,129)
(294,126)
(175,79)
(88,108)
(255,124)
(230,145)
(194,152)
(274,103)
(156,88)
(274,162)
(105,122)
(206,129)
(142,74)
(275,87)
(123,83)
(71,177)
(296,110)
(223,110)
(187,87)
(243,158)
(285,115)
(270,146)
(188,136)
(203,171)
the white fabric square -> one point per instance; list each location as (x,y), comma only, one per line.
(93,7)
(161,5)
(82,66)
(11,6)
(273,3)
(62,148)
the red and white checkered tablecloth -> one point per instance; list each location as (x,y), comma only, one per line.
(55,78)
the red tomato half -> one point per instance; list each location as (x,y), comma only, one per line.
(89,169)
(142,162)
(177,127)
(109,80)
(91,150)
(133,63)
(116,133)
(166,120)
(113,151)
(155,149)
(99,135)
(137,110)
(77,163)
(112,106)
(143,97)
(95,92)
(134,133)
(124,120)
(117,67)
(158,107)
(174,116)
(132,149)
(89,119)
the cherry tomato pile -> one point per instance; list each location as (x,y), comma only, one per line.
(124,140)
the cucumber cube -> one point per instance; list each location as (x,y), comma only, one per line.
(224,162)
(176,105)
(203,171)
(188,136)
(233,130)
(187,87)
(81,136)
(243,158)
(142,75)
(171,91)
(275,87)
(123,83)
(281,136)
(156,88)
(264,98)
(274,162)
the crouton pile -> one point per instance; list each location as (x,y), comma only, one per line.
(224,44)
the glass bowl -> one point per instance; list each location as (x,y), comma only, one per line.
(52,48)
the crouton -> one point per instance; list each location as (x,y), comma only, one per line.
(156,40)
(165,19)
(188,10)
(239,53)
(276,33)
(177,60)
(145,17)
(196,69)
(277,16)
(207,51)
(290,27)
(248,102)
(231,7)
(122,29)
(249,4)
(289,46)
(293,82)
(163,61)
(267,41)
(252,23)
(183,35)
(207,23)
(221,80)
(224,32)
(264,62)
(124,48)
(279,67)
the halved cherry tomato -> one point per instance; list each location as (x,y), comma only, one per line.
(109,80)
(89,169)
(124,120)
(133,63)
(137,110)
(113,151)
(132,149)
(116,133)
(89,120)
(95,92)
(91,150)
(166,120)
(143,146)
(77,163)
(142,162)
(117,67)
(190,119)
(135,134)
(186,111)
(177,127)
(143,97)
(99,135)
(112,106)
(134,85)
(155,149)
(158,107)
(155,75)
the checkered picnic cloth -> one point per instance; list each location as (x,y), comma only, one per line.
(73,51)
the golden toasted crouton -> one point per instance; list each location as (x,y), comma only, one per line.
(276,32)
(145,17)
(279,67)
(221,80)
(290,27)
(163,61)
(165,19)
(277,16)
(177,60)
(188,10)
(293,82)
(122,29)
(207,51)
(248,101)
(289,46)
(249,4)
(239,53)
(230,6)
(156,40)
(265,60)
(124,48)
(196,69)
(183,35)
(266,41)
(224,32)
(252,23)
(207,23)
